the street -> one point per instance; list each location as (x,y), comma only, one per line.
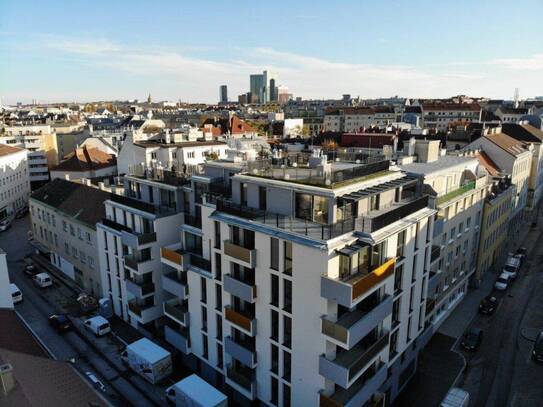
(88,353)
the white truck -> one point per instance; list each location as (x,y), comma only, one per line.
(148,359)
(456,397)
(194,391)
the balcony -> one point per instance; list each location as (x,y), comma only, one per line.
(137,240)
(350,291)
(436,253)
(175,284)
(193,221)
(177,338)
(244,352)
(138,265)
(349,329)
(348,366)
(199,263)
(242,380)
(178,311)
(140,289)
(242,289)
(381,218)
(173,256)
(242,320)
(144,313)
(360,392)
(240,253)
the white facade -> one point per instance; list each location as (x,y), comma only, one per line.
(6,301)
(14,181)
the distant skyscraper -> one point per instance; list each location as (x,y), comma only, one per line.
(257,88)
(223,94)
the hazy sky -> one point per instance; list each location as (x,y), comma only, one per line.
(96,50)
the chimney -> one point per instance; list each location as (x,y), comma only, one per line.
(7,382)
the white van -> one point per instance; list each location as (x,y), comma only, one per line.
(97,325)
(16,294)
(456,397)
(512,266)
(43,280)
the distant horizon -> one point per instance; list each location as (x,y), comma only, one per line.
(53,51)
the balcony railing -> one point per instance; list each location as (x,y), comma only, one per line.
(245,378)
(243,351)
(200,262)
(135,263)
(243,320)
(175,256)
(244,289)
(141,288)
(436,252)
(240,253)
(382,218)
(134,239)
(177,310)
(457,192)
(194,221)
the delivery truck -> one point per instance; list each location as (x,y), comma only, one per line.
(148,359)
(193,391)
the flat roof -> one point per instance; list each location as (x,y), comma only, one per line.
(442,163)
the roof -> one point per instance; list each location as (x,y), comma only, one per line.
(81,202)
(442,163)
(198,389)
(513,110)
(238,126)
(39,380)
(86,159)
(523,132)
(8,150)
(474,107)
(148,349)
(367,140)
(487,163)
(507,143)
(182,144)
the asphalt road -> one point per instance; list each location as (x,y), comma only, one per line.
(501,373)
(38,304)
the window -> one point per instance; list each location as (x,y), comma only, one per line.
(72,230)
(205,354)
(262,204)
(286,395)
(88,236)
(220,361)
(274,290)
(64,226)
(396,311)
(287,331)
(79,234)
(274,358)
(218,267)
(398,275)
(243,194)
(203,288)
(67,248)
(217,226)
(287,266)
(274,252)
(218,296)
(274,391)
(91,263)
(286,366)
(218,323)
(401,244)
(287,295)
(274,325)
(204,319)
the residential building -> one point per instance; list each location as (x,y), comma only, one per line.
(63,218)
(14,180)
(6,301)
(86,163)
(41,143)
(357,119)
(494,227)
(459,187)
(130,236)
(511,114)
(439,116)
(302,289)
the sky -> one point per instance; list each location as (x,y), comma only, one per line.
(64,51)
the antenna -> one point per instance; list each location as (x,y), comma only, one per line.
(516,97)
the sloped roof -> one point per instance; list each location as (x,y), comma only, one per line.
(507,143)
(487,163)
(81,202)
(86,159)
(7,150)
(523,132)
(238,126)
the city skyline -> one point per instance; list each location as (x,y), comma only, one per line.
(51,54)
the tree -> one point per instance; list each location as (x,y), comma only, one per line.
(329,145)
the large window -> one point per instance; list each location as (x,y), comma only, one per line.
(287,269)
(356,263)
(274,252)
(312,207)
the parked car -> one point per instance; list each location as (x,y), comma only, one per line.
(488,305)
(43,280)
(472,339)
(30,270)
(60,322)
(522,250)
(21,213)
(455,397)
(95,382)
(98,325)
(502,282)
(537,351)
(16,294)
(5,225)
(512,266)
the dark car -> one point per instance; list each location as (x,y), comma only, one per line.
(21,213)
(522,250)
(60,322)
(30,270)
(537,351)
(472,339)
(488,305)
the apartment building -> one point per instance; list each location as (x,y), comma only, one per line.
(459,189)
(86,163)
(511,114)
(63,218)
(41,143)
(302,286)
(354,119)
(6,300)
(136,225)
(14,180)
(494,226)
(440,115)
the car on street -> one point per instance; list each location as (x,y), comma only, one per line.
(537,351)
(5,225)
(488,305)
(95,382)
(502,282)
(60,322)
(98,325)
(16,294)
(472,339)
(522,250)
(30,270)
(512,266)
(43,280)
(21,213)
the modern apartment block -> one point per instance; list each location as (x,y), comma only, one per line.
(303,285)
(14,180)
(459,188)
(130,236)
(63,216)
